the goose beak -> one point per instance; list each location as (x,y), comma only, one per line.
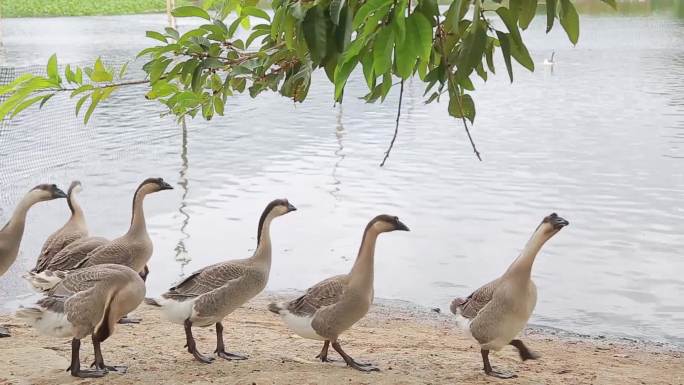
(165,186)
(290,207)
(401,226)
(58,194)
(557,222)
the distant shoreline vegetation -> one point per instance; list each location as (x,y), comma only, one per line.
(47,8)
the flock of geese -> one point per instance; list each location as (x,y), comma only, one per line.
(92,283)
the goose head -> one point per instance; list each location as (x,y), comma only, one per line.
(75,188)
(552,224)
(152,185)
(46,192)
(386,223)
(279,207)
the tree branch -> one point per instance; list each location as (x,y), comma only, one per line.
(396,127)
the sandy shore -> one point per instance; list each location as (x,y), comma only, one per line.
(410,346)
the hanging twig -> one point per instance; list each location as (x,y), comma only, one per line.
(396,127)
(440,35)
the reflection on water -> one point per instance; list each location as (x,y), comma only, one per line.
(600,141)
(182,256)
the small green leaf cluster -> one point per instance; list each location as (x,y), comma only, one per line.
(28,89)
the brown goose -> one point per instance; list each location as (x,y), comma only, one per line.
(332,306)
(133,249)
(208,295)
(13,231)
(495,313)
(89,301)
(75,228)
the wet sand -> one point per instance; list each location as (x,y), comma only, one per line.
(409,345)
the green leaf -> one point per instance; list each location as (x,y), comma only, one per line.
(79,76)
(382,50)
(256,12)
(123,69)
(528,8)
(80,102)
(190,11)
(406,53)
(343,31)
(506,51)
(95,99)
(489,54)
(473,48)
(256,34)
(52,70)
(335,9)
(81,89)
(69,74)
(399,22)
(100,73)
(156,35)
(462,106)
(569,19)
(550,14)
(218,104)
(172,33)
(367,65)
(45,99)
(12,85)
(315,27)
(25,104)
(417,23)
(197,79)
(342,73)
(366,9)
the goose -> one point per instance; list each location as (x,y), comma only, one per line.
(332,306)
(75,228)
(13,231)
(210,294)
(88,301)
(494,314)
(550,62)
(133,249)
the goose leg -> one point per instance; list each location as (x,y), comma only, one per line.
(488,367)
(75,367)
(221,348)
(351,362)
(4,332)
(525,353)
(323,355)
(99,361)
(192,347)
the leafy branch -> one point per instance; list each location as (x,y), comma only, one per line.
(196,71)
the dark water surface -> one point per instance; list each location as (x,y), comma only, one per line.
(598,138)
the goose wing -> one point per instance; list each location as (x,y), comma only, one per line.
(206,279)
(476,301)
(73,254)
(53,245)
(324,293)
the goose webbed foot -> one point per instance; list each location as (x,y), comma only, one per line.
(221,347)
(202,358)
(120,369)
(490,371)
(127,320)
(230,356)
(89,373)
(352,362)
(525,353)
(500,374)
(4,332)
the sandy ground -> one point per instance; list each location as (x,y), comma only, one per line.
(410,346)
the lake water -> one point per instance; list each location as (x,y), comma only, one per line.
(598,139)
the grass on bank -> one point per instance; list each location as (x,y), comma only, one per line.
(42,8)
